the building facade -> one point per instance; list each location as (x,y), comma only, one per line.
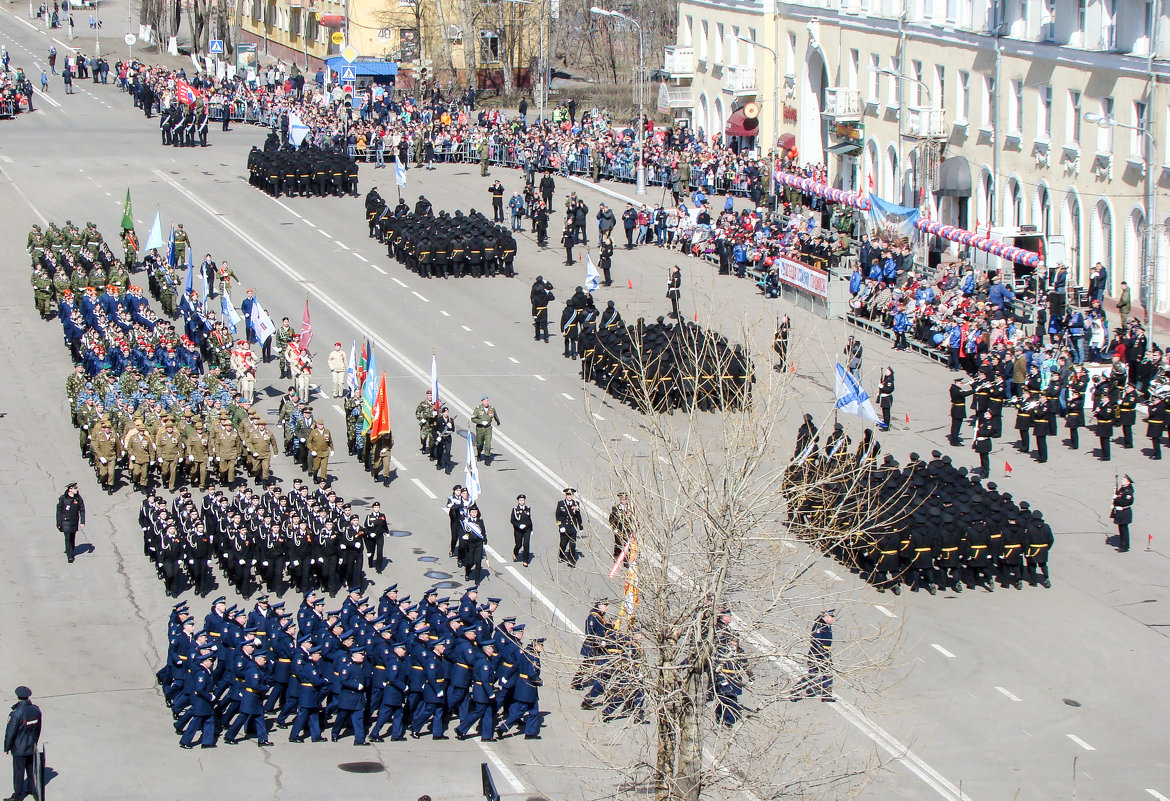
(973,109)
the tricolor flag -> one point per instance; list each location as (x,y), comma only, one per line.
(592,277)
(351,372)
(262,324)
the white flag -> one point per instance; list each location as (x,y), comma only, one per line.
(434,382)
(155,238)
(399,172)
(297,130)
(261,323)
(228,310)
(351,377)
(592,277)
(470,469)
(851,398)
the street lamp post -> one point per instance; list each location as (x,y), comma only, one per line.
(1151,246)
(640,185)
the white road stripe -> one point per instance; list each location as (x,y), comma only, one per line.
(67,47)
(942,650)
(286,208)
(445,314)
(465,328)
(363,258)
(338,408)
(47,99)
(508,775)
(342,245)
(423,487)
(1080,742)
(29,24)
(308,223)
(630,438)
(397,464)
(833,575)
(567,396)
(489,344)
(321,231)
(898,751)
(512,360)
(598,417)
(1156,794)
(540,378)
(420,297)
(379,269)
(6,159)
(883,610)
(400,283)
(1010,695)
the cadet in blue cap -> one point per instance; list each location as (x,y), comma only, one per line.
(256,687)
(312,683)
(393,706)
(351,700)
(202,704)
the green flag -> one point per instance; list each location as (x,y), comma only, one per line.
(127,214)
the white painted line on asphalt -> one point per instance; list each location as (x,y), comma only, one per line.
(833,575)
(400,283)
(1080,742)
(445,314)
(537,594)
(342,245)
(942,650)
(540,378)
(1007,693)
(286,208)
(67,47)
(361,257)
(596,416)
(321,231)
(6,159)
(513,361)
(29,24)
(338,408)
(379,269)
(567,396)
(420,297)
(108,194)
(426,491)
(308,223)
(630,438)
(508,775)
(489,344)
(1156,794)
(397,464)
(883,610)
(51,102)
(140,222)
(894,748)
(465,328)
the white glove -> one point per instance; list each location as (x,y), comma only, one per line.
(312,453)
(562,529)
(132,458)
(102,459)
(331,454)
(360,687)
(464,536)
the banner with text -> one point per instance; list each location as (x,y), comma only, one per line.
(801,276)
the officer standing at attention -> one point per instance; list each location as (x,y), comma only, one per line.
(521,520)
(958,409)
(674,290)
(819,680)
(337,369)
(70,517)
(497,190)
(483,417)
(1122,512)
(20,739)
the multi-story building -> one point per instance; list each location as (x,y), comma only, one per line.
(1005,113)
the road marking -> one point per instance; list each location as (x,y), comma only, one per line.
(508,775)
(540,378)
(420,297)
(567,396)
(630,438)
(513,361)
(286,208)
(49,100)
(338,408)
(363,258)
(67,47)
(6,159)
(465,328)
(1080,742)
(942,650)
(308,223)
(1156,794)
(398,465)
(29,24)
(342,245)
(108,194)
(379,269)
(883,610)
(898,751)
(1010,695)
(321,231)
(445,314)
(423,487)
(400,283)
(596,416)
(833,575)
(489,344)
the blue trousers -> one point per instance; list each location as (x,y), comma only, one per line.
(395,716)
(205,725)
(528,712)
(306,717)
(484,714)
(355,718)
(241,723)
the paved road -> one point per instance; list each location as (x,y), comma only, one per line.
(982,684)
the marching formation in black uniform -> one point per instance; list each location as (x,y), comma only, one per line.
(659,366)
(306,171)
(306,539)
(376,668)
(445,246)
(928,524)
(182,126)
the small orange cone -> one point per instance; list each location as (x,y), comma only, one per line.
(630,282)
(792,369)
(696,317)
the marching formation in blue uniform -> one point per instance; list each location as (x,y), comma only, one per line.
(375,670)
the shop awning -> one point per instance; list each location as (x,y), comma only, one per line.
(845,149)
(786,141)
(738,124)
(954,178)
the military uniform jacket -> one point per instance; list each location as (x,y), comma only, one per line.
(569,516)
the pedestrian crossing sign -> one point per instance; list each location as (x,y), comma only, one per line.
(348,75)
(216,47)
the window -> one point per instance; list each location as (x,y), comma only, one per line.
(1016,108)
(1072,124)
(916,74)
(489,45)
(987,100)
(255,9)
(894,87)
(875,64)
(1082,17)
(294,22)
(688,31)
(790,52)
(720,35)
(312,28)
(963,97)
(703,40)
(1044,113)
(854,66)
(940,86)
(1105,132)
(733,45)
(1137,141)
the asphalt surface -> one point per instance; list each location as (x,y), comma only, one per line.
(1030,694)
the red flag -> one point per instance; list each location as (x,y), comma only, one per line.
(306,327)
(907,418)
(630,282)
(381,423)
(185,94)
(1007,468)
(696,317)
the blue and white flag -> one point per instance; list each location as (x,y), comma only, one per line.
(297,130)
(154,239)
(189,281)
(592,277)
(851,398)
(171,247)
(892,222)
(351,377)
(205,292)
(230,316)
(399,172)
(470,469)
(262,324)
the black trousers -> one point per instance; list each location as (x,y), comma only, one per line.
(70,542)
(956,427)
(1025,440)
(567,549)
(522,543)
(23,779)
(985,464)
(374,551)
(1042,448)
(1123,537)
(1105,446)
(1074,438)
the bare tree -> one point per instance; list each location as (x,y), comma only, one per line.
(692,687)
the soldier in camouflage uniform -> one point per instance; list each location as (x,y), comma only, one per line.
(426,415)
(42,291)
(353,413)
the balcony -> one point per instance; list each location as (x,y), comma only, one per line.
(679,62)
(922,122)
(740,81)
(671,97)
(843,104)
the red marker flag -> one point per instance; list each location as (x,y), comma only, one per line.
(907,418)
(1007,468)
(630,282)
